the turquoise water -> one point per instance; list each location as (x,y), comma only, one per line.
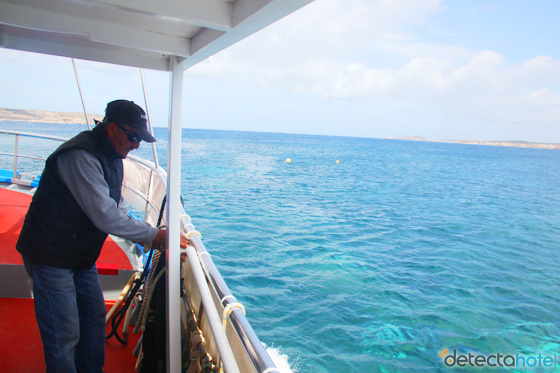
(381,261)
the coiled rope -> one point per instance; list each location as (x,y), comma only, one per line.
(147,296)
(137,283)
(195,355)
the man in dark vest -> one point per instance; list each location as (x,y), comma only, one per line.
(78,202)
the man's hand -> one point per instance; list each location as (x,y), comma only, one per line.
(159,242)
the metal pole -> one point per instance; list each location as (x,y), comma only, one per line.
(173,222)
(16,156)
(149,116)
(81,95)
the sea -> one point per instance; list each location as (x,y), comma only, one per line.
(375,255)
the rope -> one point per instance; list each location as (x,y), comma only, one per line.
(192,233)
(153,338)
(121,297)
(199,360)
(226,297)
(229,309)
(139,360)
(120,314)
(147,295)
(196,339)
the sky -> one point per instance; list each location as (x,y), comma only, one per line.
(474,70)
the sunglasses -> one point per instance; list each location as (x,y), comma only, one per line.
(131,136)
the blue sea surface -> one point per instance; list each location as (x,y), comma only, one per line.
(379,262)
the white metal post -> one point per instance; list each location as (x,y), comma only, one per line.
(16,156)
(173,223)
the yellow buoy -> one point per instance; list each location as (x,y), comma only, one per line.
(288,160)
(337,161)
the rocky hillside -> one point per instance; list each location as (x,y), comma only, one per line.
(19,115)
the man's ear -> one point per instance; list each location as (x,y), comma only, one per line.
(111,128)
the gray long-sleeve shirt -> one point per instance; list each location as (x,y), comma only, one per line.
(83,175)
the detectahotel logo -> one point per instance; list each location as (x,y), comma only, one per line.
(497,360)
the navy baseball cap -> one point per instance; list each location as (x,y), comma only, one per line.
(128,113)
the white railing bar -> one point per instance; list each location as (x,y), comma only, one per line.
(151,165)
(254,348)
(141,195)
(17,134)
(214,320)
(149,196)
(37,135)
(23,156)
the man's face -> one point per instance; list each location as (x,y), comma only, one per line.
(119,138)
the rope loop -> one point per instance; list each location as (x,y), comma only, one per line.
(204,253)
(229,309)
(226,297)
(191,233)
(185,216)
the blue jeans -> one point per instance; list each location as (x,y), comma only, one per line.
(70,312)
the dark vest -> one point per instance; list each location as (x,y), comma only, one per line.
(56,231)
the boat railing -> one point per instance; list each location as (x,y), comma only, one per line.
(144,181)
(144,189)
(16,178)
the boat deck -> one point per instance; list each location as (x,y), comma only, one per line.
(20,341)
(22,350)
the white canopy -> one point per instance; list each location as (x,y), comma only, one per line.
(140,33)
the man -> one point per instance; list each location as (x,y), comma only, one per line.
(78,202)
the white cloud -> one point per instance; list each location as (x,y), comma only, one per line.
(358,53)
(367,51)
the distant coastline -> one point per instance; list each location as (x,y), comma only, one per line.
(20,115)
(517,144)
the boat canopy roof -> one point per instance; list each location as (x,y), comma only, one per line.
(138,33)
